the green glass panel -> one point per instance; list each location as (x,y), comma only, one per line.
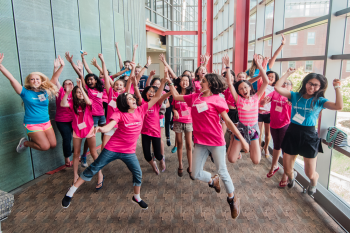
(119,34)
(128,45)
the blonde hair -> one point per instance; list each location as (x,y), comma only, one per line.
(253,68)
(46,84)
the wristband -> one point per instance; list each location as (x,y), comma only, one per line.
(171,84)
(146,67)
(227,67)
(335,87)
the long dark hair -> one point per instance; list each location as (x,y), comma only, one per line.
(232,73)
(217,83)
(277,77)
(317,94)
(153,80)
(66,81)
(196,76)
(99,85)
(189,89)
(236,85)
(122,102)
(144,92)
(78,102)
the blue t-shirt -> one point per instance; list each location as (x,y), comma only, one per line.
(257,71)
(127,73)
(142,83)
(36,105)
(310,114)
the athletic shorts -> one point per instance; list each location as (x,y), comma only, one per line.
(264,118)
(180,127)
(90,134)
(99,120)
(32,128)
(111,132)
(255,136)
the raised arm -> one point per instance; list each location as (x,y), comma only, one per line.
(162,59)
(15,84)
(165,96)
(134,53)
(56,75)
(56,65)
(206,59)
(278,86)
(262,67)
(136,90)
(119,73)
(85,63)
(119,56)
(94,63)
(150,77)
(149,62)
(86,98)
(278,51)
(75,67)
(155,99)
(174,92)
(64,101)
(104,71)
(338,105)
(81,69)
(229,78)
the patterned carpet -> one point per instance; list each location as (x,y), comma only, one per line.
(175,204)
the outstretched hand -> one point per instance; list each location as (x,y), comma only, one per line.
(336,82)
(283,42)
(56,63)
(100,55)
(60,60)
(1,57)
(153,72)
(68,57)
(226,60)
(79,83)
(84,54)
(149,61)
(291,71)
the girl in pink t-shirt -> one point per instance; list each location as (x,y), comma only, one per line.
(183,123)
(83,125)
(151,128)
(206,107)
(247,104)
(122,145)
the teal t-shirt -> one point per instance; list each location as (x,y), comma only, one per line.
(127,73)
(257,71)
(36,106)
(303,107)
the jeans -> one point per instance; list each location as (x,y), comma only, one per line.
(99,120)
(167,120)
(66,131)
(106,157)
(199,157)
(146,146)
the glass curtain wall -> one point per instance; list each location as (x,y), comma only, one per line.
(159,12)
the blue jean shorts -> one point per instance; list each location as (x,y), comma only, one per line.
(99,120)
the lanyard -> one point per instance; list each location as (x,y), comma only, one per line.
(304,108)
(77,117)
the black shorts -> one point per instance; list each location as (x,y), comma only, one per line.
(105,107)
(233,115)
(302,140)
(264,118)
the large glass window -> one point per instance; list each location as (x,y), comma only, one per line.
(311,38)
(269,18)
(293,38)
(252,21)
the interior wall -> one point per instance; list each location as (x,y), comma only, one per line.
(33,34)
(155,60)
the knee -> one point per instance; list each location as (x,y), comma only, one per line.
(45,147)
(188,146)
(231,159)
(255,160)
(53,145)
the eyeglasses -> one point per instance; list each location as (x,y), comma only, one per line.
(151,92)
(287,84)
(314,84)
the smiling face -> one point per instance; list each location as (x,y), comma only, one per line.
(131,101)
(150,93)
(202,72)
(35,81)
(204,85)
(137,70)
(67,83)
(244,90)
(127,66)
(312,86)
(188,73)
(91,82)
(185,82)
(241,77)
(79,94)
(156,83)
(119,86)
(272,78)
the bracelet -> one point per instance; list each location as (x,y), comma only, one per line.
(171,84)
(227,67)
(335,87)
(146,67)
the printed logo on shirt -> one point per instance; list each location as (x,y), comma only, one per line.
(134,123)
(150,110)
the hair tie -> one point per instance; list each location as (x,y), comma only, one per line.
(125,93)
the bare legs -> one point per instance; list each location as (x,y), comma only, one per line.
(179,143)
(42,140)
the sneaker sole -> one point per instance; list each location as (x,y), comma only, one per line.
(139,205)
(239,209)
(20,142)
(66,206)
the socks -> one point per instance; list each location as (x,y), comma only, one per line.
(231,198)
(212,183)
(137,197)
(84,155)
(71,191)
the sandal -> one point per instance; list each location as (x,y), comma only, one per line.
(162,164)
(155,168)
(69,164)
(240,155)
(269,175)
(100,184)
(283,184)
(180,172)
(190,173)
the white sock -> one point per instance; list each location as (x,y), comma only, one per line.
(137,197)
(71,191)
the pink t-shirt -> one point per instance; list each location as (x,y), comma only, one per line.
(207,129)
(96,98)
(229,98)
(63,114)
(151,126)
(84,116)
(197,86)
(112,101)
(129,126)
(280,111)
(132,90)
(183,110)
(248,110)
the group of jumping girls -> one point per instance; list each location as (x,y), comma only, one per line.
(205,104)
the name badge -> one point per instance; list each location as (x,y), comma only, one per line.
(202,107)
(113,104)
(298,118)
(185,113)
(81,126)
(278,109)
(99,95)
(42,97)
(246,107)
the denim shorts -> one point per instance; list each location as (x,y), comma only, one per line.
(99,120)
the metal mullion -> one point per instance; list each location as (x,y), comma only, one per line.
(342,12)
(309,24)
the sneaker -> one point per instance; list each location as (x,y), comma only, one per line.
(168,142)
(291,183)
(141,203)
(234,206)
(21,147)
(311,190)
(83,162)
(216,183)
(66,201)
(162,164)
(174,149)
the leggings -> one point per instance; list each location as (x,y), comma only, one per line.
(66,131)
(168,121)
(105,107)
(277,136)
(146,145)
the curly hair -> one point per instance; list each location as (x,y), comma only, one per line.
(99,84)
(122,102)
(317,94)
(144,93)
(217,83)
(78,102)
(46,84)
(236,85)
(189,89)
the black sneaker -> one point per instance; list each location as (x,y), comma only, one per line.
(66,201)
(211,157)
(142,204)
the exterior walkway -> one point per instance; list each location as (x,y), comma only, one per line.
(175,204)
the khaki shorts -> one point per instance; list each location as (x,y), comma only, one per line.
(182,127)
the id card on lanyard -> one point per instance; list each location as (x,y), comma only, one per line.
(83,124)
(183,112)
(297,117)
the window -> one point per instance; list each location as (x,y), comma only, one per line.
(291,64)
(293,38)
(308,66)
(347,66)
(310,38)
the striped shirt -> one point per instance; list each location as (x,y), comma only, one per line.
(248,110)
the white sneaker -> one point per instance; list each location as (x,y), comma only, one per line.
(20,148)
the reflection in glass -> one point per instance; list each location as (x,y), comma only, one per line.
(269,18)
(252,21)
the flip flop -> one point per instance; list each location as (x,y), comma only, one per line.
(100,184)
(69,164)
(180,172)
(269,175)
(283,185)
